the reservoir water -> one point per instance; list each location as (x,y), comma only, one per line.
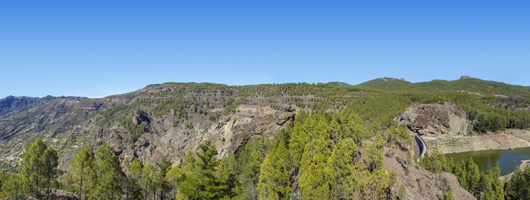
(485,160)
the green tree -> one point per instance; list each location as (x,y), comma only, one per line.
(517,186)
(246,166)
(446,196)
(148,173)
(13,187)
(374,184)
(135,177)
(109,174)
(39,167)
(81,171)
(159,184)
(174,176)
(341,167)
(163,167)
(375,153)
(472,176)
(203,182)
(402,193)
(274,174)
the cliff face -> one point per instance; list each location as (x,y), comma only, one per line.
(435,120)
(161,139)
(423,184)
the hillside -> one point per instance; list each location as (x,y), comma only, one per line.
(164,121)
(463,85)
(189,111)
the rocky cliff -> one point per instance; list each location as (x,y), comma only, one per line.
(163,139)
(437,120)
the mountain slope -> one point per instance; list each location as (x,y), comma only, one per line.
(166,119)
(464,85)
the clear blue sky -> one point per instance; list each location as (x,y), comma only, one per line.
(98,48)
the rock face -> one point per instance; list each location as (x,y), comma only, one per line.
(177,117)
(227,134)
(423,184)
(140,117)
(435,120)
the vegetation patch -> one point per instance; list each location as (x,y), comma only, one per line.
(133,129)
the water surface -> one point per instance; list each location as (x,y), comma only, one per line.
(485,160)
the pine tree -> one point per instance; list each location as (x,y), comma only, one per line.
(341,166)
(13,188)
(274,174)
(247,166)
(135,177)
(148,173)
(473,176)
(374,184)
(82,169)
(158,184)
(174,176)
(188,167)
(39,167)
(315,179)
(517,186)
(299,139)
(375,153)
(203,182)
(402,194)
(50,159)
(109,174)
(163,167)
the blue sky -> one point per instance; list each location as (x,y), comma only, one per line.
(98,48)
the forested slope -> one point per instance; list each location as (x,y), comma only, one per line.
(271,141)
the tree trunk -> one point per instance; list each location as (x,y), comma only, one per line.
(80,188)
(146,192)
(174,190)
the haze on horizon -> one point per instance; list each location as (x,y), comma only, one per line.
(100,48)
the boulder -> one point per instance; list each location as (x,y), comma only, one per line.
(435,120)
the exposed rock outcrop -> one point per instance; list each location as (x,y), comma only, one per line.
(140,117)
(435,120)
(423,184)
(227,134)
